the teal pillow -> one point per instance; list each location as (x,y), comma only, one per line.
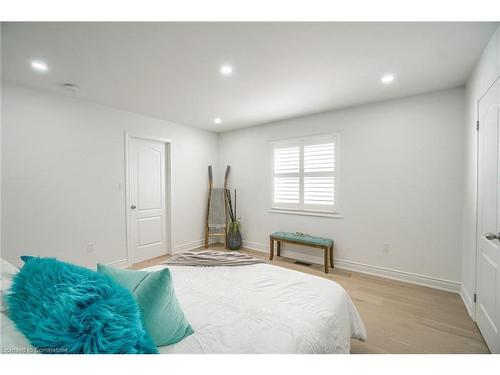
(64,308)
(154,292)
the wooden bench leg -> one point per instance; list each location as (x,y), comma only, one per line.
(271,249)
(278,248)
(331,257)
(327,251)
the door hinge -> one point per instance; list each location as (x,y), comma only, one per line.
(475,297)
(477,125)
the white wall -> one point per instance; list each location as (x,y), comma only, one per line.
(1,106)
(402,179)
(485,73)
(0,140)
(63,176)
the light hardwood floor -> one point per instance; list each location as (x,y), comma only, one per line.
(399,317)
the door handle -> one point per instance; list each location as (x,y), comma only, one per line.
(133,207)
(492,236)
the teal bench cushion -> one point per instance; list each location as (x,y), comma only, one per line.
(303,238)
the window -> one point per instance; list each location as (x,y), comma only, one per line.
(305,174)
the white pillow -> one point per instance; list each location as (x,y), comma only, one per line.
(12,340)
(7,273)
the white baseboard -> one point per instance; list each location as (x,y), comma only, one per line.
(387,273)
(408,277)
(468,302)
(256,246)
(191,245)
(122,263)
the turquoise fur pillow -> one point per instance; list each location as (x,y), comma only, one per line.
(64,308)
(154,292)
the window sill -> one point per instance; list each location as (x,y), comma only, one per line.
(305,213)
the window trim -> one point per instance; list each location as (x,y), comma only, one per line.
(291,211)
(323,211)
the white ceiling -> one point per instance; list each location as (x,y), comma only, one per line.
(281,70)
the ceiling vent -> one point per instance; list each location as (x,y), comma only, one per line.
(70,87)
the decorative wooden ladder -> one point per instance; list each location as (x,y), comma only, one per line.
(208,233)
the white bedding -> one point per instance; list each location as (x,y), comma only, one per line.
(259,308)
(263,308)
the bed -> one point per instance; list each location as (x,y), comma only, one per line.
(263,308)
(258,308)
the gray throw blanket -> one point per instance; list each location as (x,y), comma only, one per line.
(208,258)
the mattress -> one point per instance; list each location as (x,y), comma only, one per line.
(257,308)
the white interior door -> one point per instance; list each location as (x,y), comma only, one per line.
(488,241)
(147,199)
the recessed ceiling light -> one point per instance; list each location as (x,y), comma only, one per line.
(217,120)
(226,70)
(387,79)
(39,66)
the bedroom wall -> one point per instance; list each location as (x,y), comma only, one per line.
(401,189)
(0,140)
(63,177)
(485,73)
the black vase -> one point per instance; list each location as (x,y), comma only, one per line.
(234,240)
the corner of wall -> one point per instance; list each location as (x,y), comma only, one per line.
(468,301)
(216,167)
(1,238)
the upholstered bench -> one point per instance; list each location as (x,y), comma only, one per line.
(301,239)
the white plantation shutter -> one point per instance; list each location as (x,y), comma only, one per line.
(319,179)
(305,174)
(287,175)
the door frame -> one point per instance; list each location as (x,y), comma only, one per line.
(168,190)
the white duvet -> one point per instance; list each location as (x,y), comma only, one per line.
(259,308)
(263,308)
